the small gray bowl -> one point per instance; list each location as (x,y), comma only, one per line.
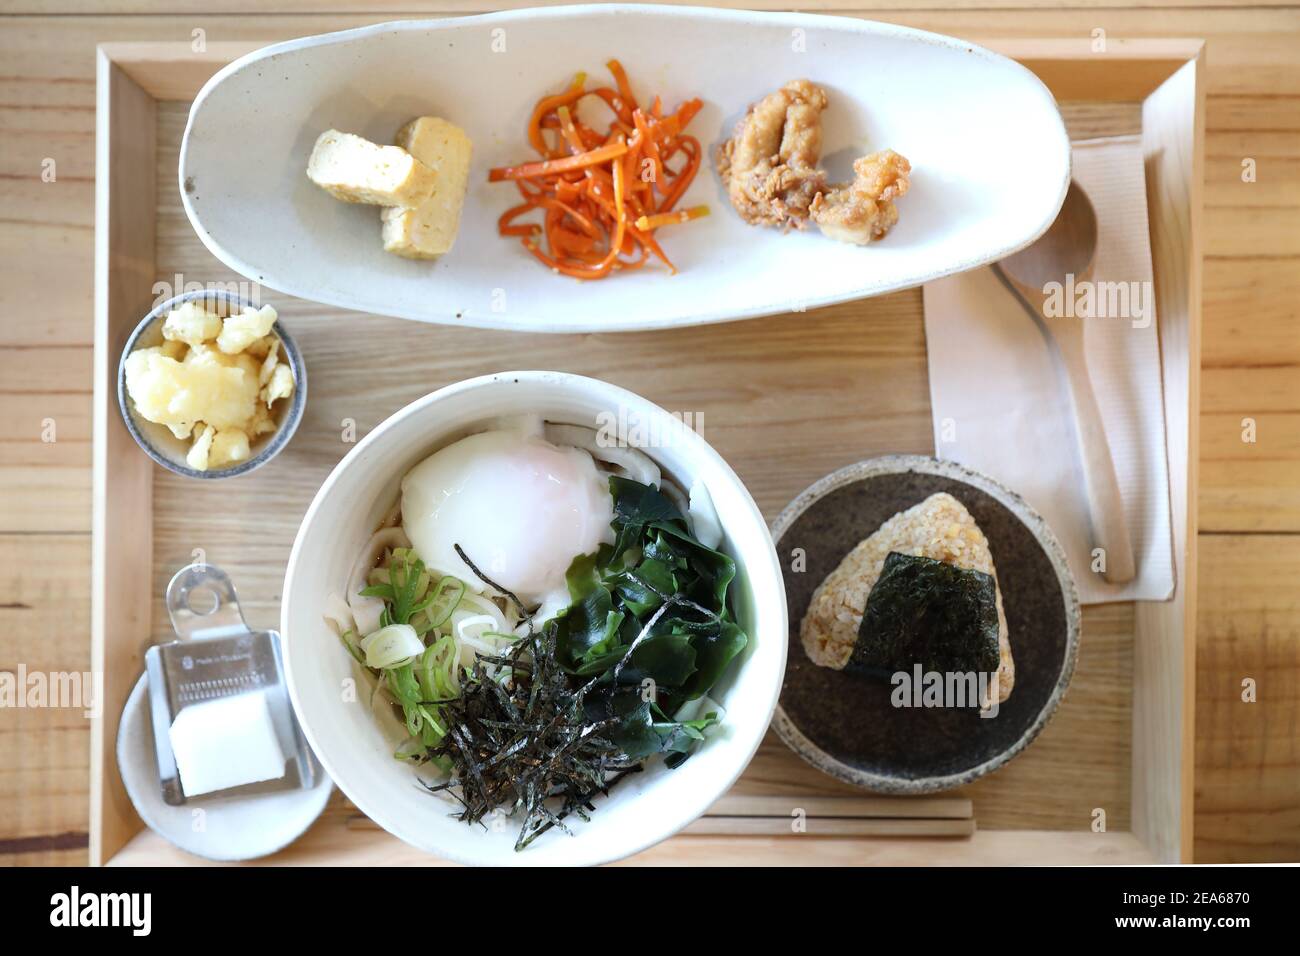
(165,448)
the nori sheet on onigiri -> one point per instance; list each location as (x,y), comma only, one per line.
(929,612)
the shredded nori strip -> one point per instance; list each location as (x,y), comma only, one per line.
(929,612)
(528,746)
(523,611)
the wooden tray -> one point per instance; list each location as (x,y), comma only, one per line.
(785,399)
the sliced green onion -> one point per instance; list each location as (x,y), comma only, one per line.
(408,750)
(391,646)
(346,638)
(439,610)
(432,722)
(437,671)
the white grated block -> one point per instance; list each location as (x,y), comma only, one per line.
(227,742)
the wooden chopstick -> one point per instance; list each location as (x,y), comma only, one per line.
(829,826)
(746,815)
(941,808)
(751,815)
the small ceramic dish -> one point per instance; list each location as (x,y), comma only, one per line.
(215,828)
(847,725)
(166,449)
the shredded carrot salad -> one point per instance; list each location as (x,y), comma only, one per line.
(602,196)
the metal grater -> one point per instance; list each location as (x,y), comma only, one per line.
(217,655)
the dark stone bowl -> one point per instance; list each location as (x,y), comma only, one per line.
(846,725)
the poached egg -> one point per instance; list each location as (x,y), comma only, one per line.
(520,507)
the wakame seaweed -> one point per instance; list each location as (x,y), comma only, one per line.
(590,694)
(650,612)
(928,612)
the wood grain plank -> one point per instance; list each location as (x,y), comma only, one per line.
(1164,693)
(1276,158)
(1249,496)
(1258,113)
(68,204)
(1252,216)
(1277,435)
(1252,314)
(44,750)
(45,303)
(1268,388)
(42,497)
(50,431)
(46,369)
(29,150)
(59,415)
(1251,362)
(1245,232)
(1248,754)
(41,856)
(407,9)
(1253,51)
(1250,451)
(121,489)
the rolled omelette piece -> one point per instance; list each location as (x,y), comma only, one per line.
(356,170)
(939,528)
(428,230)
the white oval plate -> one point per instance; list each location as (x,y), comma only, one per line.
(988,148)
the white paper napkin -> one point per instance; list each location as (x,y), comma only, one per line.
(998,394)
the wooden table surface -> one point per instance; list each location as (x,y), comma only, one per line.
(1248,753)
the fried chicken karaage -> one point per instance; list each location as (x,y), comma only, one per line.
(770,165)
(770,170)
(864,209)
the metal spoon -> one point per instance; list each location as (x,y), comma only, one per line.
(1070,247)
